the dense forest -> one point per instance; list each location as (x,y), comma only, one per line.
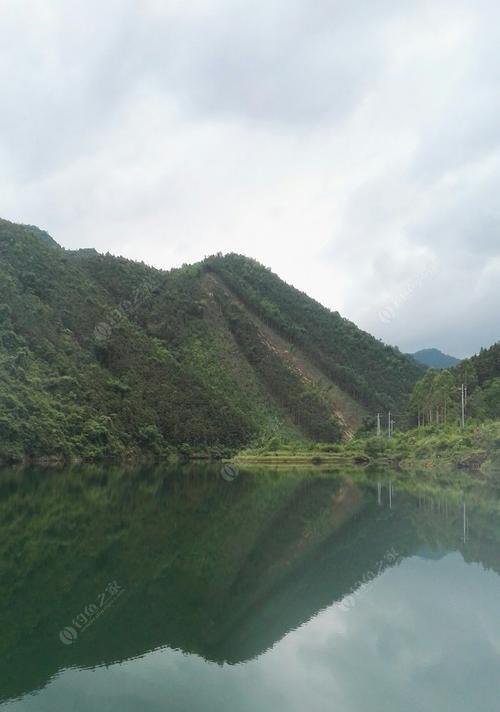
(437,397)
(101,356)
(375,374)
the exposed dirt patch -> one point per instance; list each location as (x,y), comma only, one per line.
(347,410)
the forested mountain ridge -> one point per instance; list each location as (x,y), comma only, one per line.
(486,364)
(434,358)
(481,373)
(372,372)
(438,396)
(103,356)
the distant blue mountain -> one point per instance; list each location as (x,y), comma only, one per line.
(434,358)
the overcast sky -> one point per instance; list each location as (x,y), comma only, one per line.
(352,146)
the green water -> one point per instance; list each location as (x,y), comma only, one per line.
(127,589)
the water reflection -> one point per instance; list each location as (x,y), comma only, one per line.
(104,565)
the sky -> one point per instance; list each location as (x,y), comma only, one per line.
(352,146)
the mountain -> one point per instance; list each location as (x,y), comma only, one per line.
(102,356)
(439,395)
(434,358)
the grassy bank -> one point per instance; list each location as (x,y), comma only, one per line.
(477,448)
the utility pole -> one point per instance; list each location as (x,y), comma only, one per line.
(378,425)
(463,406)
(389,425)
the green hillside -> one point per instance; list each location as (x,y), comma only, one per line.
(101,356)
(437,397)
(482,374)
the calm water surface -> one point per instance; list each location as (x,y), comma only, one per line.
(175,589)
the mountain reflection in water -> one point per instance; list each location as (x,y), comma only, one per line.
(103,565)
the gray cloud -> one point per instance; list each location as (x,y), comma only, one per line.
(347,145)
